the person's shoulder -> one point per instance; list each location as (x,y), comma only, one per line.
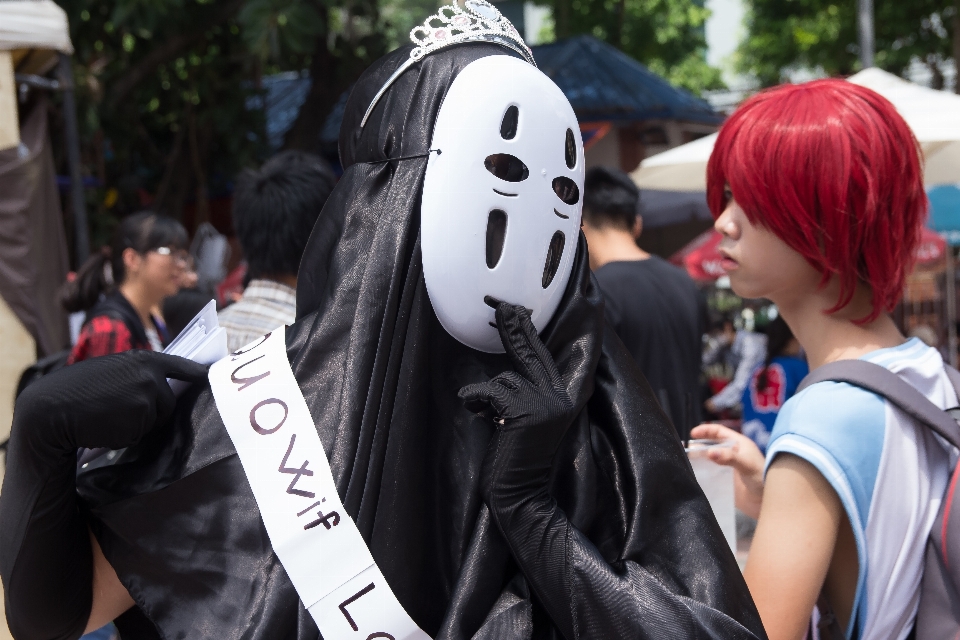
(839,429)
(793,366)
(237,315)
(103,322)
(836,426)
(652,268)
(101,335)
(829,407)
(656,262)
(624,275)
(619,269)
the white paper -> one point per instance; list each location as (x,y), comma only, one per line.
(203,340)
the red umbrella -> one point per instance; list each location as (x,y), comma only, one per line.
(700,257)
(702,260)
(932,247)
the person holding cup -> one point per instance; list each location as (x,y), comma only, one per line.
(818,191)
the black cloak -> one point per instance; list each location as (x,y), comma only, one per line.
(176,518)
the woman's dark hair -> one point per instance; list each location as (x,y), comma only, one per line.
(610,198)
(778,336)
(275,208)
(141,232)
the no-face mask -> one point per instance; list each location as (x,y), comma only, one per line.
(502,200)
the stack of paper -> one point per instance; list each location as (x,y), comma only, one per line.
(203,341)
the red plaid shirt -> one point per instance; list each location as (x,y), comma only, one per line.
(102,336)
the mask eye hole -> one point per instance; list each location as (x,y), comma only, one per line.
(496,234)
(554,253)
(507,167)
(570,150)
(566,189)
(508,127)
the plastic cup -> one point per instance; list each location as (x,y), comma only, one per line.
(717,484)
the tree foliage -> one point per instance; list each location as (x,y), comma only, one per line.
(784,35)
(164,89)
(666,35)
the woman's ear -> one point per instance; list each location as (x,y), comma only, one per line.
(131,261)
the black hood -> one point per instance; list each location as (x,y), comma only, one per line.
(178,521)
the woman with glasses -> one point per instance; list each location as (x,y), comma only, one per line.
(120,286)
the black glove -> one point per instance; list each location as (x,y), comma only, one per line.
(532,408)
(45,552)
(585,595)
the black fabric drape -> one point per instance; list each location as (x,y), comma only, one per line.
(33,245)
(176,517)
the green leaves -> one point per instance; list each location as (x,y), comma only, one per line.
(666,35)
(692,73)
(272,27)
(783,35)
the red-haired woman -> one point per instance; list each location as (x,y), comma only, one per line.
(817,189)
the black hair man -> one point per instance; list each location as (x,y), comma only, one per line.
(654,307)
(274,210)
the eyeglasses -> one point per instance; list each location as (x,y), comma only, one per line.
(177,254)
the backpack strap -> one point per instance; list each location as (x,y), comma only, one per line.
(954,376)
(885,383)
(889,385)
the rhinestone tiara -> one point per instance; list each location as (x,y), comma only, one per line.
(477,21)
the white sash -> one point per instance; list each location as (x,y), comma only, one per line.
(316,541)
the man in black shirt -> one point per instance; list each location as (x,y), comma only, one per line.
(654,307)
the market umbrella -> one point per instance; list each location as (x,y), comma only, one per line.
(931,249)
(945,211)
(665,208)
(701,257)
(934,117)
(31,34)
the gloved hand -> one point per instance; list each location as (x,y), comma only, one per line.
(531,406)
(111,401)
(584,595)
(45,553)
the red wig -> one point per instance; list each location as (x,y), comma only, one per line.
(834,171)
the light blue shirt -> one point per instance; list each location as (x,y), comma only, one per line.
(889,473)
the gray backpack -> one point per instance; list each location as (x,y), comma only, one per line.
(938,617)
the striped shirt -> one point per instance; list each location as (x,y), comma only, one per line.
(265,306)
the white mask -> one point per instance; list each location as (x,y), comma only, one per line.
(502,198)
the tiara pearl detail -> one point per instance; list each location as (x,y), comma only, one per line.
(477,21)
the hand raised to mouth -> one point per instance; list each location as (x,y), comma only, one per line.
(530,404)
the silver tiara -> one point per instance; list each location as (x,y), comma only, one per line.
(478,20)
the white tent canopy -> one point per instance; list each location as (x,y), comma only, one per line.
(682,168)
(33,24)
(933,115)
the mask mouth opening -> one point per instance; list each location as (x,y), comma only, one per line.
(554,253)
(496,235)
